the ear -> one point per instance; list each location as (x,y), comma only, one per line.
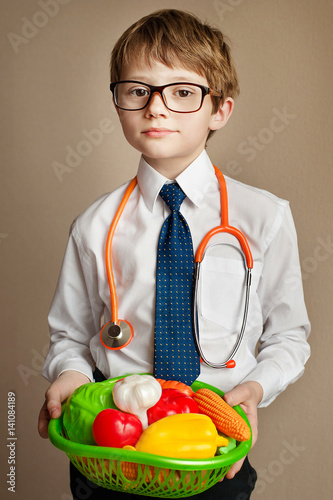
(220,118)
(115,107)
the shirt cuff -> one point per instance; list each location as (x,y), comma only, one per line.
(269,377)
(52,373)
(91,379)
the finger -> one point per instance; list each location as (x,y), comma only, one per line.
(50,409)
(54,398)
(59,391)
(56,394)
(237,395)
(43,421)
(234,469)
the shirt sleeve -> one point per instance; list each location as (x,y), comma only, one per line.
(283,348)
(75,313)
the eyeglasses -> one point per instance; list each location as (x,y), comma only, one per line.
(180,97)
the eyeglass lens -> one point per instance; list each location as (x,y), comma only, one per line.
(182,97)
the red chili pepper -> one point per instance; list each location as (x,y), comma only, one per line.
(171,402)
(116,429)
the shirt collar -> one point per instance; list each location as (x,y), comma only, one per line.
(195,180)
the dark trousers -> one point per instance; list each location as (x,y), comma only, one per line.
(238,488)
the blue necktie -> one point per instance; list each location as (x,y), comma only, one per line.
(175,355)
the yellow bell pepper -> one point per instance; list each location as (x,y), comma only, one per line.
(185,435)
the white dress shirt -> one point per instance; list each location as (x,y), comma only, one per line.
(274,349)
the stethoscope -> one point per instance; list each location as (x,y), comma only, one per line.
(118,333)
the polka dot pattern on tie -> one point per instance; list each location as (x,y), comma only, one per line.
(175,355)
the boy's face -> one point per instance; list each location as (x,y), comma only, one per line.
(169,141)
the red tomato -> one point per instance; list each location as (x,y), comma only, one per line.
(116,429)
(171,402)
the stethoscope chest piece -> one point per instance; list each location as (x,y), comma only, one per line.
(116,335)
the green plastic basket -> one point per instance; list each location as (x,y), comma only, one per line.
(143,473)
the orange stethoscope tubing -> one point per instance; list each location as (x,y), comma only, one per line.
(248,260)
(108,248)
(112,331)
(224,227)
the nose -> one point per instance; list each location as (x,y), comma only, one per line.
(156,105)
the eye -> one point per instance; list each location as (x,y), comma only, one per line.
(139,92)
(183,93)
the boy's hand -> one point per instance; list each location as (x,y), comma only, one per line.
(59,391)
(248,396)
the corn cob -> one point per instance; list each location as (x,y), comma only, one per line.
(130,470)
(225,418)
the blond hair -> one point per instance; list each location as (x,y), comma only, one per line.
(171,37)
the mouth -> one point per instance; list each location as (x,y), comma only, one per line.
(157,132)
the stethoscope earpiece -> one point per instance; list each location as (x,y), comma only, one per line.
(116,335)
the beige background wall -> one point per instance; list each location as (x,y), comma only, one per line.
(54,87)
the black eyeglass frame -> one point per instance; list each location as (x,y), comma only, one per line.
(159,89)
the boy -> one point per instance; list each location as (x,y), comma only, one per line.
(170,124)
